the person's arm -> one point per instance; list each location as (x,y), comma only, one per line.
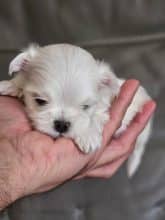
(32,162)
(5,172)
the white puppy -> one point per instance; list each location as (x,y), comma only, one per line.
(68,93)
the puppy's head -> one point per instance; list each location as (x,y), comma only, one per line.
(64,87)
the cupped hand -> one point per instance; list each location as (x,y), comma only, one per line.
(32,162)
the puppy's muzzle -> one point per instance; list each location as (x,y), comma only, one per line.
(61,126)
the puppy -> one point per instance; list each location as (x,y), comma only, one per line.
(68,93)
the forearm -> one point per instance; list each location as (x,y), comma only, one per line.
(5,198)
(8,190)
(8,178)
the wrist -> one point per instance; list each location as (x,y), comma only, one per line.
(8,194)
(9,190)
(5,197)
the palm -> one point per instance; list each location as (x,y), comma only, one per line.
(37,153)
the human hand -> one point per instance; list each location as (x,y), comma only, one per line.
(116,150)
(32,162)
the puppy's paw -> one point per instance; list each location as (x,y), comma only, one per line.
(88,143)
(8,88)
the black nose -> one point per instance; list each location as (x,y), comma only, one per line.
(61,126)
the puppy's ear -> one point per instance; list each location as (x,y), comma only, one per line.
(21,60)
(108,82)
(14,86)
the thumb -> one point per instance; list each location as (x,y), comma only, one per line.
(13,119)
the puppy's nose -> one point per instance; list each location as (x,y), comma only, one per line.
(61,126)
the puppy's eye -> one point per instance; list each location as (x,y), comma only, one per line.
(85,107)
(40,102)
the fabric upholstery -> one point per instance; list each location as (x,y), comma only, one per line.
(130,35)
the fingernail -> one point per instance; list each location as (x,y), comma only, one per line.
(147,111)
(150,106)
(134,82)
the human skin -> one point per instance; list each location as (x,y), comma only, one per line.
(32,162)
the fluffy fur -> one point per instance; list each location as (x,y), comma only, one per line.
(74,88)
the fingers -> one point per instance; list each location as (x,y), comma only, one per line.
(122,146)
(125,142)
(119,107)
(117,111)
(138,124)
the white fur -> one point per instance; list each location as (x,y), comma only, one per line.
(68,77)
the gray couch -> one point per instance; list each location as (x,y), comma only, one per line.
(129,34)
